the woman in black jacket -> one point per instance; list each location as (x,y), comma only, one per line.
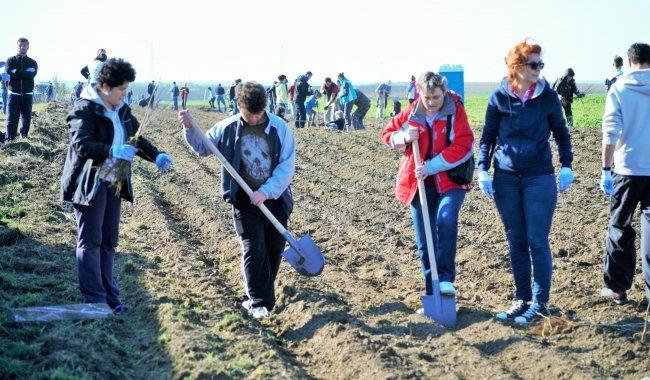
(99,126)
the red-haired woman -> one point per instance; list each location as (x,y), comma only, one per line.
(520,117)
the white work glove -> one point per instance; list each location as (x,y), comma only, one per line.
(485,184)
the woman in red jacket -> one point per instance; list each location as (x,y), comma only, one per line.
(426,120)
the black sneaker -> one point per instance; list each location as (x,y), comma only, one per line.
(518,308)
(619,298)
(535,311)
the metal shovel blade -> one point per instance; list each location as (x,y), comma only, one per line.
(304,256)
(439,307)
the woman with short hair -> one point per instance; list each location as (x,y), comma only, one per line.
(99,126)
(437,112)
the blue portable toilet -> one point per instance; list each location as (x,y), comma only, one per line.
(455,75)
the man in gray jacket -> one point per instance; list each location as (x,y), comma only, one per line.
(625,145)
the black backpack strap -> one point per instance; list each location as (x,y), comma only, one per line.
(448,130)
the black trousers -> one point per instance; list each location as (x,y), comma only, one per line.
(301,114)
(19,108)
(620,251)
(567,109)
(262,247)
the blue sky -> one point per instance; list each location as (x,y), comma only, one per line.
(211,41)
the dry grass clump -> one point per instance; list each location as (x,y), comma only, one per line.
(553,326)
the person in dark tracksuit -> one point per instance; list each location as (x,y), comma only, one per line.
(565,88)
(362,102)
(302,90)
(98,127)
(261,148)
(22,70)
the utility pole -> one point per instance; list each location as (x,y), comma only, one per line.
(281,58)
(152,67)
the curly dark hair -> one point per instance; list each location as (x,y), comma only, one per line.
(115,72)
(251,96)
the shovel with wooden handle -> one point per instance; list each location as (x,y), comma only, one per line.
(304,256)
(440,308)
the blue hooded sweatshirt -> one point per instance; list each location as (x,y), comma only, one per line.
(520,132)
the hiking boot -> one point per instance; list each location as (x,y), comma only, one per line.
(447,289)
(569,120)
(518,308)
(620,298)
(536,310)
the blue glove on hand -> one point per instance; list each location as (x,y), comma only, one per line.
(31,70)
(606,182)
(485,184)
(13,71)
(163,162)
(124,152)
(565,179)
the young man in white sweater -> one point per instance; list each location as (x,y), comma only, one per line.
(626,133)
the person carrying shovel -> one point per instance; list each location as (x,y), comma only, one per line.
(425,122)
(261,148)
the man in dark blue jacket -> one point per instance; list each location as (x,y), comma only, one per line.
(21,70)
(301,92)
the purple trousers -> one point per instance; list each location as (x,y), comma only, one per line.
(98,231)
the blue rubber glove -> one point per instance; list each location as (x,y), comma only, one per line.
(565,179)
(124,152)
(13,71)
(606,182)
(163,162)
(31,70)
(485,184)
(5,76)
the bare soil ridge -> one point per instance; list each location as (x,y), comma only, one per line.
(179,269)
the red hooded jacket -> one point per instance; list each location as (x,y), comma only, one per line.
(441,158)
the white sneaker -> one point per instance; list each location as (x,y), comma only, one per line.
(447,289)
(259,312)
(420,311)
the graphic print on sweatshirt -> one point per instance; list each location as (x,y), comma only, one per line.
(255,159)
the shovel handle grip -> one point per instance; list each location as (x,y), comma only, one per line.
(236,176)
(425,214)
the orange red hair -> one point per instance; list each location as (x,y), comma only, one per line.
(519,55)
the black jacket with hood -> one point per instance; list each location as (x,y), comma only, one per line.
(302,89)
(22,81)
(565,88)
(91,136)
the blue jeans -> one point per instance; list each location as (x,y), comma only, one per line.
(443,215)
(235,111)
(175,102)
(220,101)
(526,206)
